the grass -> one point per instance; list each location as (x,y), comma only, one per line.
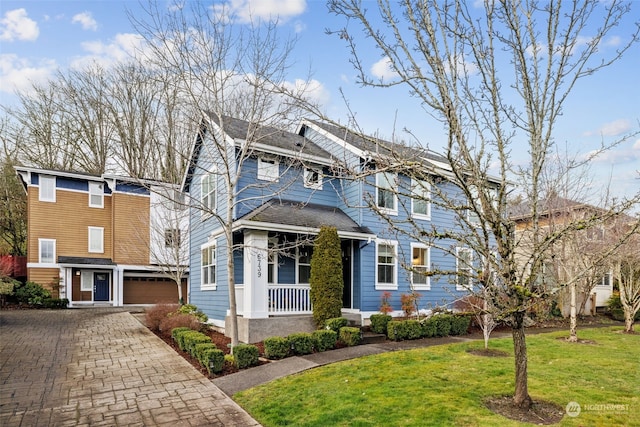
(445,385)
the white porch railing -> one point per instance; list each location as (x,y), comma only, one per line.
(289,299)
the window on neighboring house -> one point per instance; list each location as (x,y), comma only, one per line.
(473,216)
(172,238)
(268,170)
(272,264)
(208,258)
(420,266)
(385,189)
(304,263)
(313,178)
(421,199)
(96,239)
(208,195)
(386,266)
(464,268)
(47,251)
(178,200)
(86,281)
(96,195)
(47,188)
(606,280)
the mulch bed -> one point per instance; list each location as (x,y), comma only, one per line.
(488,352)
(540,413)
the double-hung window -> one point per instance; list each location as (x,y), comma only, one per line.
(47,188)
(172,238)
(96,195)
(386,198)
(268,170)
(208,259)
(386,268)
(96,239)
(420,255)
(208,193)
(421,199)
(47,251)
(464,268)
(304,263)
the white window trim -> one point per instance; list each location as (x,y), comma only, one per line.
(308,172)
(96,190)
(602,284)
(387,286)
(209,286)
(86,281)
(52,181)
(298,265)
(459,251)
(267,168)
(100,249)
(390,211)
(40,242)
(213,194)
(421,286)
(422,186)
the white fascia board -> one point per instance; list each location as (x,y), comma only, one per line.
(264,148)
(266,226)
(341,142)
(30,170)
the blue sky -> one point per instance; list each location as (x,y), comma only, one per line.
(39,37)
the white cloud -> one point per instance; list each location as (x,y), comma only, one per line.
(613,41)
(19,74)
(312,90)
(246,11)
(85,19)
(622,154)
(122,48)
(636,146)
(16,25)
(382,69)
(614,128)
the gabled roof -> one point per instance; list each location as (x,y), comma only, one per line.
(554,204)
(262,139)
(287,215)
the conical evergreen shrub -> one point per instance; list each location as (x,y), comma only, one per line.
(326,279)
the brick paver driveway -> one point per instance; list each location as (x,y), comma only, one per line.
(100,367)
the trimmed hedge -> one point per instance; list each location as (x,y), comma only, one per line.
(336,323)
(443,324)
(55,303)
(191,340)
(350,336)
(199,349)
(439,325)
(276,347)
(245,355)
(324,339)
(213,360)
(379,323)
(460,324)
(301,343)
(175,332)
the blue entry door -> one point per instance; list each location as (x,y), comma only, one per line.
(100,287)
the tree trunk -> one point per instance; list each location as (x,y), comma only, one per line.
(521,396)
(573,325)
(180,297)
(486,329)
(628,321)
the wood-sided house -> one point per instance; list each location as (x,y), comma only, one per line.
(288,186)
(94,239)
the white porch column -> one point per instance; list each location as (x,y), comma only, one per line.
(66,277)
(256,293)
(118,286)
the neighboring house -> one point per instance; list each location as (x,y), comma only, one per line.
(290,186)
(90,238)
(576,255)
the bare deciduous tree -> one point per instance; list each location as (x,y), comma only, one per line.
(497,78)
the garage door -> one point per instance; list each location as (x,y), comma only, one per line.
(151,290)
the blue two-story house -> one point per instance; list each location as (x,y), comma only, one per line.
(267,192)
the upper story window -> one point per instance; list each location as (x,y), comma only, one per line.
(420,255)
(208,260)
(172,238)
(386,198)
(313,178)
(606,280)
(47,188)
(268,169)
(464,268)
(386,266)
(96,195)
(208,193)
(304,263)
(96,239)
(421,199)
(47,251)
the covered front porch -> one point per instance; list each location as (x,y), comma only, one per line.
(273,295)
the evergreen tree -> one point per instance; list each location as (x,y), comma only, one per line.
(326,276)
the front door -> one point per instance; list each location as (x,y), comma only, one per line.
(346,274)
(100,287)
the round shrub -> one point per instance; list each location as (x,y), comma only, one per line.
(32,293)
(245,355)
(301,343)
(276,347)
(324,339)
(379,323)
(350,336)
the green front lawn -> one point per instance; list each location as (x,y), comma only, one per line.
(445,385)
